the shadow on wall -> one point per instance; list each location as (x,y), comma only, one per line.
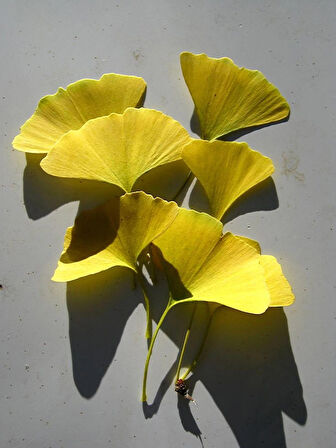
(247,365)
(249,369)
(262,196)
(44,193)
(99,307)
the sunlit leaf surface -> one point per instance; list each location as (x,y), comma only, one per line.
(226,170)
(278,286)
(113,234)
(203,265)
(280,291)
(70,108)
(228,97)
(118,148)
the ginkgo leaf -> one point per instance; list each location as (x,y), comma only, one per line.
(228,97)
(211,267)
(70,108)
(202,265)
(226,170)
(279,289)
(278,286)
(113,234)
(118,148)
(252,243)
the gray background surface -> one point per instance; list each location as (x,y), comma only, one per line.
(72,357)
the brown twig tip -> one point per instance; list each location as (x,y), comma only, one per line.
(182,389)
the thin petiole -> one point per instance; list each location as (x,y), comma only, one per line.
(200,350)
(186,337)
(148,333)
(170,305)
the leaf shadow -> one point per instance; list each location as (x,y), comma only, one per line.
(262,196)
(150,410)
(44,193)
(164,181)
(195,124)
(98,306)
(249,369)
(247,366)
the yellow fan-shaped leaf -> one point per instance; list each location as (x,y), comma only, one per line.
(280,291)
(252,243)
(118,148)
(278,286)
(113,234)
(228,97)
(210,267)
(70,108)
(226,170)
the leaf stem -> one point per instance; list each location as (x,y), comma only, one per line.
(200,350)
(170,305)
(186,337)
(148,333)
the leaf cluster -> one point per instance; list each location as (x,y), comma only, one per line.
(97,130)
